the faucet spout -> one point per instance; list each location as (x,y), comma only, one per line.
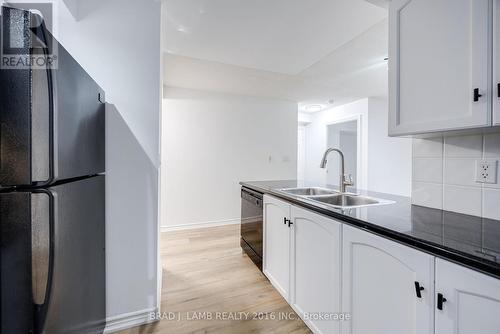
(343,182)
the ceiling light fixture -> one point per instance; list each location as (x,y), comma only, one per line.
(313,108)
(182,29)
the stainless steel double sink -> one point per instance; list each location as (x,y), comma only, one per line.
(334,198)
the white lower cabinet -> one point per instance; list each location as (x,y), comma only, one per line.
(276,261)
(315,270)
(470,301)
(324,268)
(380,281)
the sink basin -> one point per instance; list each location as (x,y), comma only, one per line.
(346,200)
(313,191)
(334,198)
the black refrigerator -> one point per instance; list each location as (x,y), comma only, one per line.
(52,188)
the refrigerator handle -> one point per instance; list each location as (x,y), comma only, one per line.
(42,252)
(43,103)
(40,246)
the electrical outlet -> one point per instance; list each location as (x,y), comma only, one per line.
(486,171)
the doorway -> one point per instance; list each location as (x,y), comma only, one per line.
(344,136)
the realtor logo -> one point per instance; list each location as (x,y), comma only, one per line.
(26,42)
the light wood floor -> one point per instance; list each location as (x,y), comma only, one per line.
(204,270)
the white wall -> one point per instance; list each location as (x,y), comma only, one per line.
(304,119)
(118,43)
(444,171)
(213,141)
(387,161)
(389,158)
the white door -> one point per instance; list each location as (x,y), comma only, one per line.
(379,286)
(496,62)
(472,301)
(316,274)
(276,261)
(439,65)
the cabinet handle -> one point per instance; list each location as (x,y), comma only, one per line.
(498,89)
(440,301)
(289,223)
(476,94)
(284,220)
(418,289)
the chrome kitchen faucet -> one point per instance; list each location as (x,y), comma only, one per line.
(344,180)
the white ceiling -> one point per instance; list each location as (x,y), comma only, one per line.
(305,51)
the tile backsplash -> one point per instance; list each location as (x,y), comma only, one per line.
(444,170)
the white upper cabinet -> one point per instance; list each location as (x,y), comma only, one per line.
(386,287)
(276,261)
(496,63)
(439,65)
(315,271)
(470,301)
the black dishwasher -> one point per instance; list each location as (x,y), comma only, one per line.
(252,224)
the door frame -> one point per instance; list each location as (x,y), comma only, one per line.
(160,213)
(301,164)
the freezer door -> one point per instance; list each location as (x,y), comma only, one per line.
(15,105)
(52,118)
(55,274)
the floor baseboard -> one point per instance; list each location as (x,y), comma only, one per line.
(200,225)
(129,320)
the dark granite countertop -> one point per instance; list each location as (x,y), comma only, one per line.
(467,240)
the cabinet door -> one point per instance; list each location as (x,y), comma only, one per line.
(315,268)
(472,301)
(379,286)
(439,53)
(496,62)
(276,261)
